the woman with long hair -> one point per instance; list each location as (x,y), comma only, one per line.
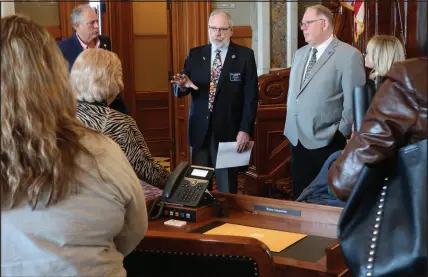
(71,205)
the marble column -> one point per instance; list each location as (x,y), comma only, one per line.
(292,30)
(279,34)
(263,38)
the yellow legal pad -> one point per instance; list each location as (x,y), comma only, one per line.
(276,241)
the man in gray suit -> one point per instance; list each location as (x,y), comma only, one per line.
(319,105)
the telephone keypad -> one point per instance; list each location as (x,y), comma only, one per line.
(191,191)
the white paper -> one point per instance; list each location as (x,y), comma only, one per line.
(228,157)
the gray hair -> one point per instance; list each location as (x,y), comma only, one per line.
(96,75)
(76,13)
(229,18)
(326,12)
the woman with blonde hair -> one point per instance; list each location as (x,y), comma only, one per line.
(71,205)
(96,77)
(381,52)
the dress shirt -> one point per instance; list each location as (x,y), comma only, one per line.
(320,48)
(85,46)
(223,53)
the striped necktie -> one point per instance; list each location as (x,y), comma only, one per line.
(311,64)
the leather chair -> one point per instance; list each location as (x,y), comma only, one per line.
(169,254)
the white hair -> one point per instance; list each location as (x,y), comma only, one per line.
(77,13)
(96,75)
(229,18)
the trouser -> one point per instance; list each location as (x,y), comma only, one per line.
(307,163)
(206,155)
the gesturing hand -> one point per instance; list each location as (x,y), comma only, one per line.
(182,81)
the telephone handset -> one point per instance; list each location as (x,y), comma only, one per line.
(185,186)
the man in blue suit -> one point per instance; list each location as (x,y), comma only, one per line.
(84,20)
(221,79)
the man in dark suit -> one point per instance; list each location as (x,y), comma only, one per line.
(84,20)
(222,80)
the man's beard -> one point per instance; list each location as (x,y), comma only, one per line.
(219,44)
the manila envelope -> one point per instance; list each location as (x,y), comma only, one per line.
(276,241)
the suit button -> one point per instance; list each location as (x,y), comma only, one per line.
(297,100)
(207,116)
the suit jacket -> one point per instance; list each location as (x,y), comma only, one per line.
(71,48)
(235,103)
(322,105)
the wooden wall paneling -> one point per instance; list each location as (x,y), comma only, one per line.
(65,8)
(151,72)
(242,35)
(189,29)
(152,119)
(55,31)
(121,38)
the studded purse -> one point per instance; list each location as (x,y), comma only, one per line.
(382,229)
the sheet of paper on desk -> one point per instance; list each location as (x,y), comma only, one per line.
(228,157)
(276,241)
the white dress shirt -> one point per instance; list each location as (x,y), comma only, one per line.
(223,53)
(320,48)
(85,46)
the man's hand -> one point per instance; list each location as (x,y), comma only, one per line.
(182,81)
(243,140)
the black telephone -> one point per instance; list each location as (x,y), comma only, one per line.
(185,186)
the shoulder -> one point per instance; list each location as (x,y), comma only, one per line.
(198,50)
(302,50)
(90,115)
(119,120)
(111,162)
(410,75)
(104,39)
(242,49)
(65,42)
(343,46)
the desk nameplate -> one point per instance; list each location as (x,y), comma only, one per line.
(276,210)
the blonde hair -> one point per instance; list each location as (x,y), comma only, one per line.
(96,75)
(384,50)
(40,133)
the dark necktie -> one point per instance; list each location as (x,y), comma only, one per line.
(215,75)
(311,64)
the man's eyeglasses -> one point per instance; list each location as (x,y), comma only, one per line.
(215,29)
(307,23)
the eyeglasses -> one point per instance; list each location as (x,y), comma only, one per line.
(92,22)
(215,29)
(307,23)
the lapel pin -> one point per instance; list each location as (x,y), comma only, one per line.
(203,58)
(233,56)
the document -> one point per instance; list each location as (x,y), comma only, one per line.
(228,157)
(276,241)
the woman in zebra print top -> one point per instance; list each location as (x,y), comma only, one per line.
(96,77)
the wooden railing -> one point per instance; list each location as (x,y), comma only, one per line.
(269,168)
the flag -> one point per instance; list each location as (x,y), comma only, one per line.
(358,8)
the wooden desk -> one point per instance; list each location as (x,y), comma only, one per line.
(318,222)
